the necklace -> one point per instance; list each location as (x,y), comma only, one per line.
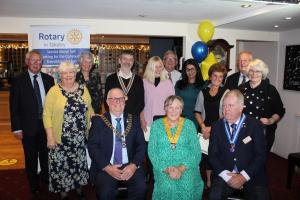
(117,133)
(124,88)
(173,140)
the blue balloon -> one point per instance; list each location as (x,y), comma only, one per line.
(199,51)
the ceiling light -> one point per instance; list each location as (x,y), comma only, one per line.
(246,5)
(288,18)
(276,26)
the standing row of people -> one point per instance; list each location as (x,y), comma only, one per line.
(70,104)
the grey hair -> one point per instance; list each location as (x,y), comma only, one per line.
(237,94)
(170,52)
(169,100)
(63,66)
(86,54)
(261,66)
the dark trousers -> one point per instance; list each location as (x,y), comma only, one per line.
(106,186)
(270,137)
(35,147)
(221,191)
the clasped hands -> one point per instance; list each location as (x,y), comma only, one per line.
(174,172)
(121,174)
(236,181)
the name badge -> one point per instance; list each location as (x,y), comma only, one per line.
(247,139)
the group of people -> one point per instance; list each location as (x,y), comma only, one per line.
(56,122)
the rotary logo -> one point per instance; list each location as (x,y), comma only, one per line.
(74,36)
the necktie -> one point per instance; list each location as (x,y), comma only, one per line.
(38,96)
(244,79)
(170,77)
(118,144)
(233,126)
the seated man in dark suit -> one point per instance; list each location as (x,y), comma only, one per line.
(237,153)
(237,78)
(117,149)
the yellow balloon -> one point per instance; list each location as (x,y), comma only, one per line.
(206,64)
(206,30)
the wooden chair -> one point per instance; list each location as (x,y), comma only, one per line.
(293,160)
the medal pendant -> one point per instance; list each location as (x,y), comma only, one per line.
(123,142)
(173,146)
(232,148)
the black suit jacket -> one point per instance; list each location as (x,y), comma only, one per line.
(250,157)
(23,102)
(232,81)
(100,143)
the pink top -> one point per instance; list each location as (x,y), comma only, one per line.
(155,98)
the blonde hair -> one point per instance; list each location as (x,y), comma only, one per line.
(261,66)
(63,66)
(150,69)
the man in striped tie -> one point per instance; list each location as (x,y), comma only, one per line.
(117,148)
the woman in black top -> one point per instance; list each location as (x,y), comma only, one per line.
(262,100)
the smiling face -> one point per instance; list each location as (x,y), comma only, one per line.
(170,61)
(174,110)
(191,71)
(158,69)
(244,60)
(86,64)
(255,75)
(116,101)
(34,63)
(68,76)
(216,78)
(126,62)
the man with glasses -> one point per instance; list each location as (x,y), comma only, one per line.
(27,95)
(117,148)
(170,62)
(234,80)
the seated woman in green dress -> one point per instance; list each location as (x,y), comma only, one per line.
(175,154)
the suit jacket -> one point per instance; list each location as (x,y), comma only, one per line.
(250,157)
(100,143)
(23,102)
(232,81)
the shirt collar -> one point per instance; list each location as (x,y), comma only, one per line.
(126,76)
(113,117)
(32,74)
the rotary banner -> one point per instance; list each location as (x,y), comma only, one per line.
(59,43)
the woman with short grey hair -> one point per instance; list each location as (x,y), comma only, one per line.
(262,100)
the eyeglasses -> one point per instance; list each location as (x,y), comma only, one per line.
(255,71)
(190,70)
(117,99)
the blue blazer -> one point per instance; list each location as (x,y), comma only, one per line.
(250,157)
(100,142)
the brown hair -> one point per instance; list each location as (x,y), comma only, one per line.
(217,67)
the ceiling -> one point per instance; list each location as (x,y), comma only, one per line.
(223,13)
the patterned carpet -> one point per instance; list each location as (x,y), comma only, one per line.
(13,184)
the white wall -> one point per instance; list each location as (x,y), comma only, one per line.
(288,131)
(267,51)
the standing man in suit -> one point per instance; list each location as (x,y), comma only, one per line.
(170,62)
(117,148)
(27,95)
(234,80)
(237,153)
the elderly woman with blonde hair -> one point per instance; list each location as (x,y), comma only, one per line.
(66,119)
(262,100)
(158,87)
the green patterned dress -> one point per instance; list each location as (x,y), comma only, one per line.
(187,152)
